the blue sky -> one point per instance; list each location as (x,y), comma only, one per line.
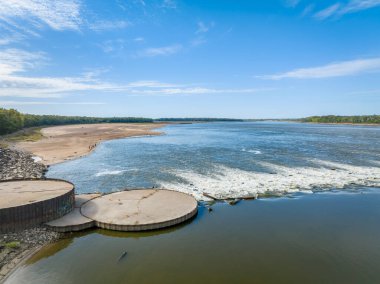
(198,58)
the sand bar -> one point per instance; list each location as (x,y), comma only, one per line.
(61,143)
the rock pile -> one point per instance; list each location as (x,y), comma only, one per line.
(19,165)
(14,247)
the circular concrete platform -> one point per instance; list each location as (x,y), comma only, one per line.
(26,203)
(139,210)
(74,221)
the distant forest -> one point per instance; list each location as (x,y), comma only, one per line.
(11,120)
(359,119)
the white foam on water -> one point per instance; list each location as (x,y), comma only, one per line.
(227,182)
(108,172)
(256,152)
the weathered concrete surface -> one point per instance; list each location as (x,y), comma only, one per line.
(27,203)
(18,193)
(74,221)
(138,210)
(80,199)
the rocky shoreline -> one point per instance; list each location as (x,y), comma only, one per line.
(16,164)
(15,247)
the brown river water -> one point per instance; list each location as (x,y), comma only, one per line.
(331,237)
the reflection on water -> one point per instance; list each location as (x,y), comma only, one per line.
(320,238)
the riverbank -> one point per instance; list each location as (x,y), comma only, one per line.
(19,165)
(16,247)
(29,158)
(345,123)
(62,143)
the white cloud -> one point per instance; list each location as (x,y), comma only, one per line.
(307,10)
(160,51)
(14,82)
(338,69)
(115,45)
(108,25)
(204,28)
(151,84)
(292,3)
(194,91)
(339,9)
(138,39)
(16,103)
(169,4)
(358,5)
(57,14)
(328,12)
(21,19)
(15,60)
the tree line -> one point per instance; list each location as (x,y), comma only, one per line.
(359,119)
(11,120)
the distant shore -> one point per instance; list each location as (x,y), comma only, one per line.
(62,143)
(345,123)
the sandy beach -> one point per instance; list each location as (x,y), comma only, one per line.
(61,143)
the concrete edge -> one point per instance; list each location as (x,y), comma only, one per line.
(147,227)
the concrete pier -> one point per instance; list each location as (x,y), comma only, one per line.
(139,210)
(74,221)
(132,210)
(27,203)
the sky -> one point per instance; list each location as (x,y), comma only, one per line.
(191,58)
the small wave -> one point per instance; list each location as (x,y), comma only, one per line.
(256,152)
(227,182)
(107,173)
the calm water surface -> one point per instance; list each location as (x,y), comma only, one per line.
(319,238)
(325,237)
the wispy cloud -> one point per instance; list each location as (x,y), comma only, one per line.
(139,39)
(16,60)
(338,69)
(17,103)
(169,4)
(307,10)
(15,83)
(115,45)
(108,25)
(292,3)
(160,51)
(328,12)
(358,5)
(200,33)
(204,28)
(195,91)
(22,19)
(339,9)
(58,14)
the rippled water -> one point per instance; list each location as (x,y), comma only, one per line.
(233,160)
(328,237)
